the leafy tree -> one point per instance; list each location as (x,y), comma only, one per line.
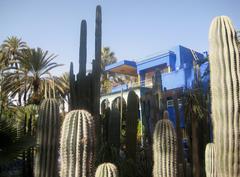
(108,58)
(35,65)
(63,89)
(12,47)
(109,78)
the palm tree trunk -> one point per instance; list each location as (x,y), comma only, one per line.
(195,151)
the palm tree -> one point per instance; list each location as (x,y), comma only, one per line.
(63,89)
(108,58)
(12,47)
(195,110)
(34,66)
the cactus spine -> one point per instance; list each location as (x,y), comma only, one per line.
(131,125)
(48,128)
(224,77)
(210,160)
(77,148)
(106,170)
(164,149)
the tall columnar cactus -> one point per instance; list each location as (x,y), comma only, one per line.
(210,160)
(48,130)
(114,128)
(106,170)
(131,124)
(77,148)
(85,89)
(164,149)
(224,77)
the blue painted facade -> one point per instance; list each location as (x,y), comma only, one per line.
(176,66)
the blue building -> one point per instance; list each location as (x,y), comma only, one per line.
(170,72)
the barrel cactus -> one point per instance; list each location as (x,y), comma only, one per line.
(77,144)
(48,129)
(131,125)
(224,77)
(106,170)
(164,149)
(210,161)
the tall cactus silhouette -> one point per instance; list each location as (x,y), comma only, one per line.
(164,149)
(131,125)
(77,145)
(106,170)
(48,130)
(85,89)
(114,128)
(210,160)
(224,77)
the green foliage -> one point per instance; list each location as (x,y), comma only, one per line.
(13,141)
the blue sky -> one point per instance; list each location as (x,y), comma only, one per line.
(133,29)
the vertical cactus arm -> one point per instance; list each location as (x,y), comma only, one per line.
(77,144)
(83,49)
(98,48)
(210,161)
(114,128)
(131,125)
(224,78)
(48,128)
(164,149)
(65,134)
(72,88)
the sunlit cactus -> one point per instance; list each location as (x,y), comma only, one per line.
(106,170)
(48,129)
(77,148)
(210,160)
(164,149)
(224,77)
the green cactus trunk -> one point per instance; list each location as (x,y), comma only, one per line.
(77,148)
(164,149)
(131,125)
(210,160)
(48,129)
(114,128)
(106,170)
(224,77)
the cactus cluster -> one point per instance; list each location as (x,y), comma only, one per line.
(77,144)
(106,170)
(85,89)
(164,149)
(210,160)
(225,86)
(131,125)
(48,129)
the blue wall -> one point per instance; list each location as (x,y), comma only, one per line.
(180,60)
(168,59)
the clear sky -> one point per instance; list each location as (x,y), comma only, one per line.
(133,29)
